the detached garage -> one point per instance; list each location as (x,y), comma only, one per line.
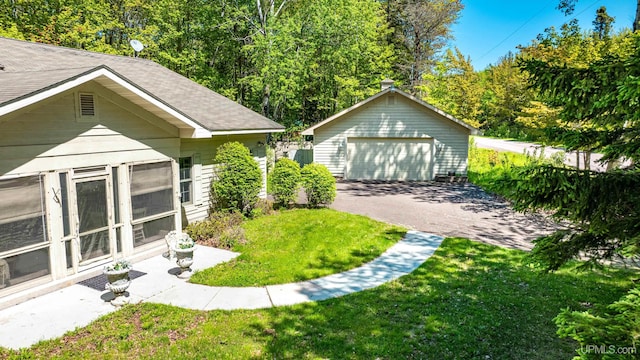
(391,136)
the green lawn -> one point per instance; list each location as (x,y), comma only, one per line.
(299,245)
(468,301)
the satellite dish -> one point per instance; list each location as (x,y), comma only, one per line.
(136,45)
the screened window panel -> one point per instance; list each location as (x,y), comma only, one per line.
(92,205)
(64,196)
(116,195)
(153,230)
(94,245)
(146,178)
(21,198)
(22,221)
(24,267)
(151,189)
(68,253)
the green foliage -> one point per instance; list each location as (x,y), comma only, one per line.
(506,95)
(604,207)
(262,208)
(420,29)
(308,64)
(221,229)
(319,184)
(455,87)
(490,169)
(301,244)
(285,181)
(237,181)
(617,330)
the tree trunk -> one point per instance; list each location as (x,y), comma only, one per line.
(587,160)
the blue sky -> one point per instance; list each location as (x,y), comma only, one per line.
(488,29)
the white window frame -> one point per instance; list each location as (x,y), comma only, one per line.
(190,180)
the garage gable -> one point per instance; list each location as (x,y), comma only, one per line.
(391,136)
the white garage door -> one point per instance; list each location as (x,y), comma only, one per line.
(389,158)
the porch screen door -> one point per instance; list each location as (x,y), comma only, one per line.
(93,219)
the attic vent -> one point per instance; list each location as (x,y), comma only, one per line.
(392,100)
(87,105)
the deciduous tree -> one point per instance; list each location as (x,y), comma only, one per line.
(455,87)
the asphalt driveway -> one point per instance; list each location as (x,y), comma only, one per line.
(462,210)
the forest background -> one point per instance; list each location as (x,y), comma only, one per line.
(299,62)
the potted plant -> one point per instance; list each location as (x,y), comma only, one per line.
(183,247)
(118,277)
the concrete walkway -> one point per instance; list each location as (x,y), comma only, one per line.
(52,315)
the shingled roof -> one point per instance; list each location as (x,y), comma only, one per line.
(33,68)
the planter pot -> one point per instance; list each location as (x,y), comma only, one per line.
(117,281)
(184,258)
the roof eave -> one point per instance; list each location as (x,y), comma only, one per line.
(246,131)
(197,130)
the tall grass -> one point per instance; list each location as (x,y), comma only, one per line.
(490,169)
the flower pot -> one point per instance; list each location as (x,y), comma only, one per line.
(117,281)
(184,258)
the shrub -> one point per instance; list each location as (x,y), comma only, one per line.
(319,184)
(221,229)
(614,330)
(238,179)
(285,181)
(262,207)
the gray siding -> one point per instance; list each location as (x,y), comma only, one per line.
(396,118)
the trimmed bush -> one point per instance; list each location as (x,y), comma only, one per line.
(285,181)
(238,179)
(319,184)
(222,230)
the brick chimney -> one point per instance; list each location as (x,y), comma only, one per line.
(386,83)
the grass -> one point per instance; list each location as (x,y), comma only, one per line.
(299,245)
(468,301)
(488,167)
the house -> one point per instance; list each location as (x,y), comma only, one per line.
(98,156)
(391,136)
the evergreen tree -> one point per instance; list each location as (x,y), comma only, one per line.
(602,24)
(604,208)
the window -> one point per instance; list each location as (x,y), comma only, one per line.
(22,221)
(152,203)
(151,189)
(186,180)
(24,247)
